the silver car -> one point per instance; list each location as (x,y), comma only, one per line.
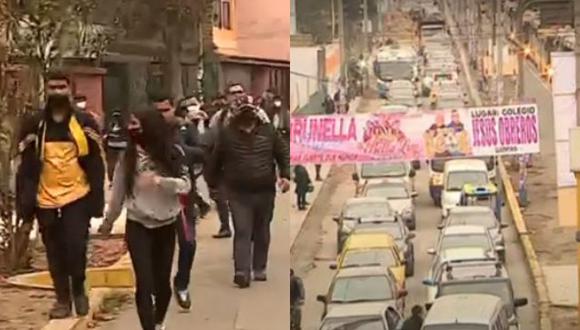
(401,200)
(478,216)
(355,209)
(371,315)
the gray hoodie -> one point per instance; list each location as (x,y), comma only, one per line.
(152,207)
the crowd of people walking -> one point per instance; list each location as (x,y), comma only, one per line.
(152,159)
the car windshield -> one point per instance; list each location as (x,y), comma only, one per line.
(383,170)
(443,76)
(353,323)
(465,241)
(457,326)
(362,288)
(500,289)
(396,70)
(388,191)
(456,180)
(486,219)
(359,258)
(367,210)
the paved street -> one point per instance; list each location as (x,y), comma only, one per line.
(315,249)
(217,303)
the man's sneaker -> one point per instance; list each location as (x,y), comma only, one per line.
(223,233)
(242,280)
(160,327)
(183,299)
(81,305)
(60,311)
(260,276)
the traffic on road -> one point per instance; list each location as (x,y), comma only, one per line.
(416,245)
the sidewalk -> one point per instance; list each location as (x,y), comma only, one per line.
(297,217)
(217,303)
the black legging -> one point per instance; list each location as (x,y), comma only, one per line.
(151,252)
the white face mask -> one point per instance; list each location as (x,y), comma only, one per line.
(58,117)
(193,108)
(277,103)
(82,105)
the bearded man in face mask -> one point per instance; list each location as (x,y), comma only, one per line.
(249,159)
(60,182)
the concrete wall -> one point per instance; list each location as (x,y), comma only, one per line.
(263,29)
(303,71)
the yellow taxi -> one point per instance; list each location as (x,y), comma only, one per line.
(366,249)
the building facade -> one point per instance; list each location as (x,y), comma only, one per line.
(253,44)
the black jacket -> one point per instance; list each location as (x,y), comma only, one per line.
(28,173)
(248,162)
(302,179)
(413,323)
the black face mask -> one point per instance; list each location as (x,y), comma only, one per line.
(57,101)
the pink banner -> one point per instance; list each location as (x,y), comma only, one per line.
(415,135)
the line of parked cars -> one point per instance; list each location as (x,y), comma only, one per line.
(468,266)
(375,251)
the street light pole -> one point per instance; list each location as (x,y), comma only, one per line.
(499,40)
(342,39)
(365,26)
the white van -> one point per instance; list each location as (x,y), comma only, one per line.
(458,173)
(468,312)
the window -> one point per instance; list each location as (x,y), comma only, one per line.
(223,14)
(393,318)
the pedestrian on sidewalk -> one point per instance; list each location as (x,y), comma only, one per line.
(303,185)
(318,168)
(186,136)
(149,180)
(249,156)
(60,182)
(297,296)
(415,321)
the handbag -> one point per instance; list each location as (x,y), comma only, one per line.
(310,188)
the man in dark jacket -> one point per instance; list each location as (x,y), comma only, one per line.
(251,158)
(185,136)
(415,321)
(60,182)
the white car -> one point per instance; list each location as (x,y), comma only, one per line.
(450,257)
(458,173)
(465,236)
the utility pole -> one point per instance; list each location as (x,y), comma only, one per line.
(493,54)
(333,19)
(342,39)
(500,39)
(366,26)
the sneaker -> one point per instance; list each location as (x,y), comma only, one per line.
(81,305)
(223,233)
(160,327)
(183,298)
(60,311)
(260,276)
(242,280)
